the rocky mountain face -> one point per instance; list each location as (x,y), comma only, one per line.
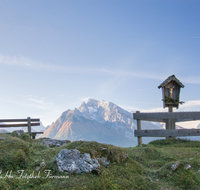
(100,121)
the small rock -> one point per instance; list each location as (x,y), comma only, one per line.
(37,168)
(104,161)
(191,158)
(53,142)
(42,164)
(2,138)
(174,166)
(188,166)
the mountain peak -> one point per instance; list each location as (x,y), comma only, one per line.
(92,100)
(96,120)
(101,111)
(82,107)
(95,104)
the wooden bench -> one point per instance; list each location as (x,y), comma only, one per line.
(29,122)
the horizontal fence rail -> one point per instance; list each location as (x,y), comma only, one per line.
(17,120)
(19,125)
(167,133)
(163,116)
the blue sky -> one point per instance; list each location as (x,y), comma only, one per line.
(56,54)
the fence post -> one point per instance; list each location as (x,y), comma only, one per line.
(139,128)
(29,125)
(170,123)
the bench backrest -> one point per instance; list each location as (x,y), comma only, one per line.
(29,122)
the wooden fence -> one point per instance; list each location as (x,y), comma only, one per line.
(166,117)
(29,122)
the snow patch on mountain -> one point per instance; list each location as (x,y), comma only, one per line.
(92,110)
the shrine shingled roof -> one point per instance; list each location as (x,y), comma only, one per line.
(169,79)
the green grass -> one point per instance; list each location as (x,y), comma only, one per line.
(142,167)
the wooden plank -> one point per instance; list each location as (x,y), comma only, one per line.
(19,125)
(37,132)
(164,120)
(29,125)
(34,120)
(13,120)
(17,120)
(167,115)
(154,120)
(167,133)
(25,132)
(139,128)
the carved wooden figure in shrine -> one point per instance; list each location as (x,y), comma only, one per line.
(171,92)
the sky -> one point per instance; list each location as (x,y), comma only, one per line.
(55,54)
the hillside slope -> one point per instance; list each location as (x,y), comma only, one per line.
(164,164)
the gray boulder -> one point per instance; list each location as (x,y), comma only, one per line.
(53,142)
(73,162)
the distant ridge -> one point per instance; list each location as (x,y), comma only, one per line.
(3,131)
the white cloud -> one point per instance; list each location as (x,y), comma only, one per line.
(193,105)
(36,101)
(191,79)
(129,108)
(20,60)
(26,62)
(160,109)
(40,103)
(112,84)
(144,89)
(189,124)
(35,64)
